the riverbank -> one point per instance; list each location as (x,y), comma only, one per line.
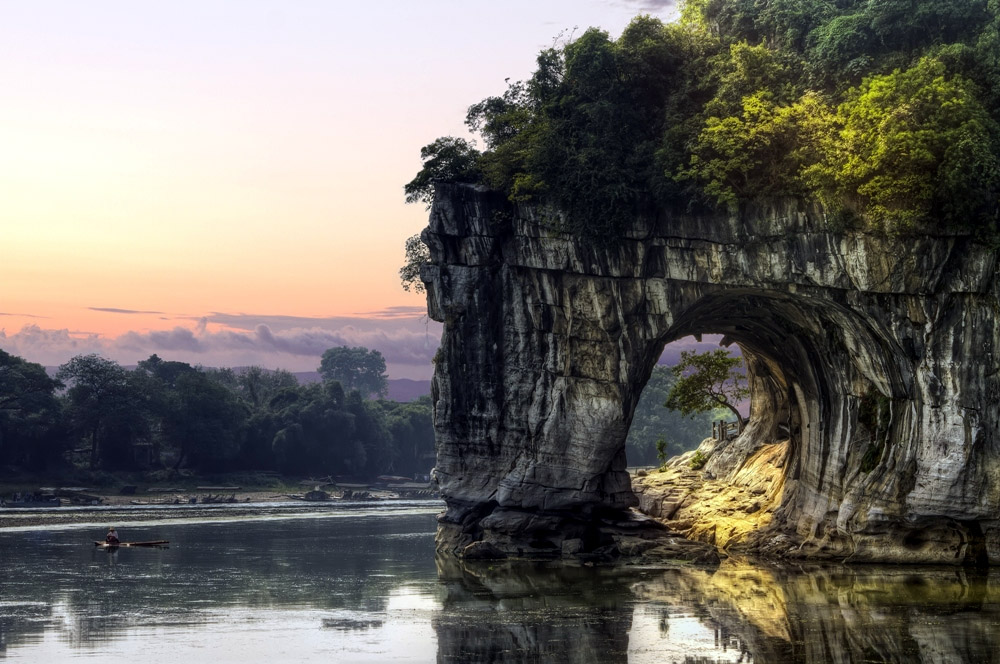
(255,506)
(128,498)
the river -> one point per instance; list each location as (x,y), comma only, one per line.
(362,584)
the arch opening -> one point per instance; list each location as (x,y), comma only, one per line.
(813,369)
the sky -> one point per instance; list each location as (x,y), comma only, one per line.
(220,181)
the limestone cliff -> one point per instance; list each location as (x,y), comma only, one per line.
(877,358)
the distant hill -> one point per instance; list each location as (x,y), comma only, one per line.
(400,389)
(404,389)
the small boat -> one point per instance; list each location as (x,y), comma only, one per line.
(108,545)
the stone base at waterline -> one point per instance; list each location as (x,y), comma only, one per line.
(627,536)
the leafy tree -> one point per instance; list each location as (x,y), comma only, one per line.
(651,423)
(256,386)
(204,422)
(30,414)
(601,145)
(662,454)
(356,369)
(510,126)
(98,393)
(166,371)
(916,145)
(706,381)
(23,383)
(158,383)
(748,70)
(412,428)
(322,431)
(417,255)
(372,435)
(315,432)
(447,158)
(765,152)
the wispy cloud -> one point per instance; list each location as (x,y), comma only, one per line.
(398,312)
(115,310)
(5,313)
(648,5)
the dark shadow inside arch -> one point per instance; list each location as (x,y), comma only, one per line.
(810,365)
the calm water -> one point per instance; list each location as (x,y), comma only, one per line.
(363,585)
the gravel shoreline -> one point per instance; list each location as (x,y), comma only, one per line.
(146,508)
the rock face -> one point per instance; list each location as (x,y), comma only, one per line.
(726,512)
(877,358)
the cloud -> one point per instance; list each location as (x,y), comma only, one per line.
(179,338)
(372,320)
(288,342)
(649,5)
(115,310)
(4,313)
(417,311)
(407,343)
(49,346)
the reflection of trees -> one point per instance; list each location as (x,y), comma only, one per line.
(532,612)
(89,595)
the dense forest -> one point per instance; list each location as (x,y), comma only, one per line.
(883,113)
(97,414)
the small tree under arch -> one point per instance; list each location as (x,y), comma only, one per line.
(706,381)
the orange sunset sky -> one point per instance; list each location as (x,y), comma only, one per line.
(220,182)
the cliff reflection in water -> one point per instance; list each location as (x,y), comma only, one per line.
(499,612)
(367,588)
(738,613)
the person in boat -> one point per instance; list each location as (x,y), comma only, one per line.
(112,536)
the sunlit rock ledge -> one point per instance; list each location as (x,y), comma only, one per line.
(875,358)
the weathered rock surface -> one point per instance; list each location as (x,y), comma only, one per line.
(727,513)
(876,358)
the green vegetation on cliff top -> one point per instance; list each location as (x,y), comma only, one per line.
(885,113)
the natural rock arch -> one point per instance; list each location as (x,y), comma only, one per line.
(549,340)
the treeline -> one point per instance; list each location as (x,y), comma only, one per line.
(885,113)
(170,415)
(165,414)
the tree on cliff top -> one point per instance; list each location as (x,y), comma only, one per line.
(886,113)
(706,381)
(446,159)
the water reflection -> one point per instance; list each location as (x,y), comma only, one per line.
(525,612)
(368,589)
(736,613)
